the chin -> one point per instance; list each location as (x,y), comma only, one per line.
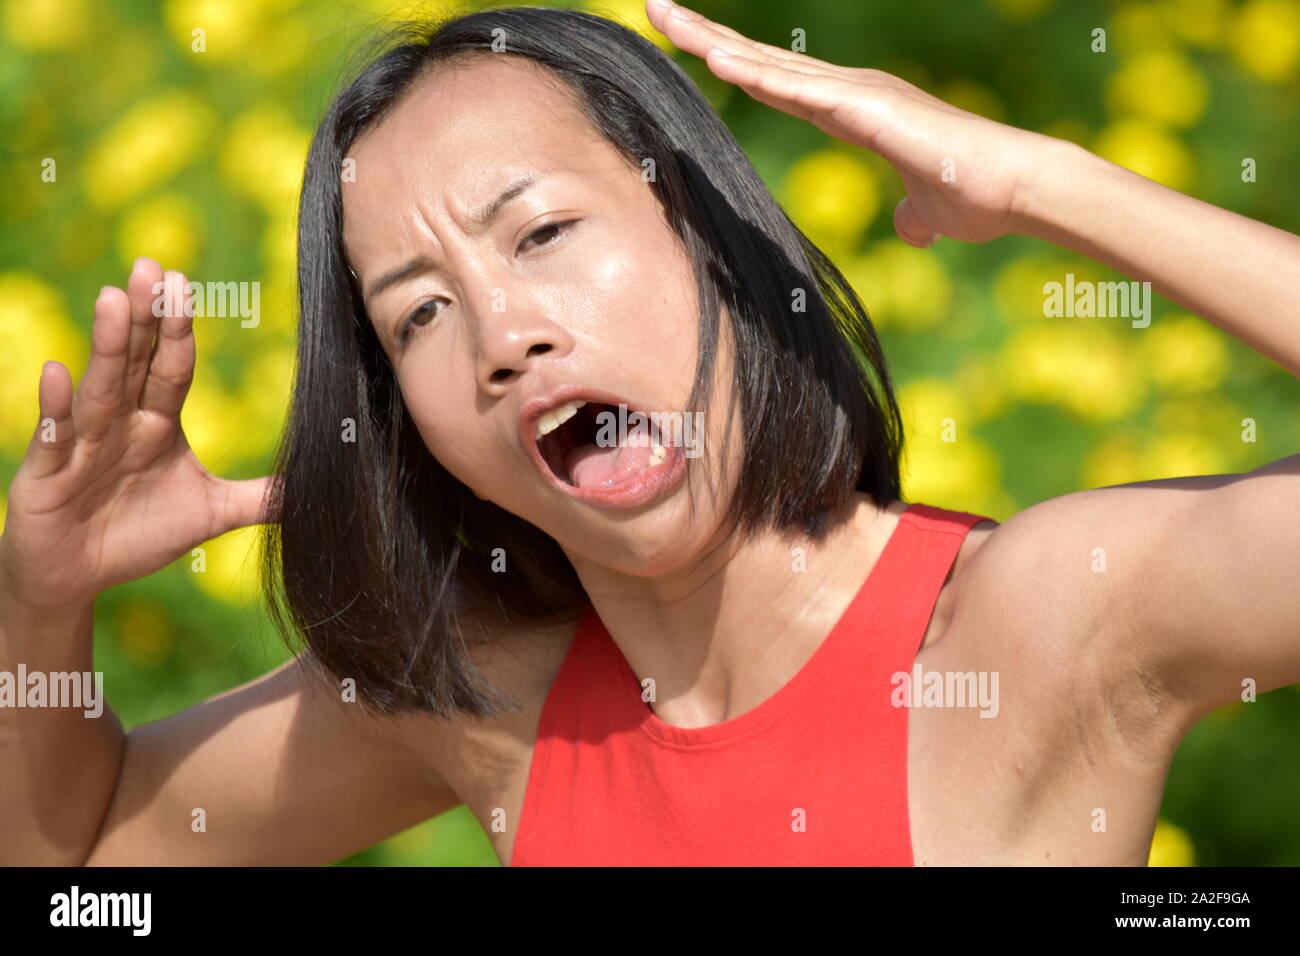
(650,545)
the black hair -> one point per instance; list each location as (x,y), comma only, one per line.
(377,558)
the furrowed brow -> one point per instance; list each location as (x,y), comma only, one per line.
(480,219)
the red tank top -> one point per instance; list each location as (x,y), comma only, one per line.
(814,775)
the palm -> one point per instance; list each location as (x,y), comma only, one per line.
(118,493)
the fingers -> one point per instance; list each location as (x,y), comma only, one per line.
(807,95)
(697,34)
(171,369)
(51,446)
(102,397)
(909,226)
(145,291)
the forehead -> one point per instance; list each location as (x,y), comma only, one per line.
(464,126)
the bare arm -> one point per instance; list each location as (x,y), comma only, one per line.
(1178,590)
(1237,273)
(46,751)
(1218,598)
(278,772)
(283,770)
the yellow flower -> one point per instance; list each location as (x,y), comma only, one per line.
(1214,419)
(901,285)
(1159,86)
(264,155)
(963,475)
(963,472)
(1085,371)
(1018,286)
(229,27)
(1128,456)
(46,24)
(280,241)
(231,567)
(1147,150)
(164,228)
(1198,21)
(1116,460)
(146,147)
(1183,353)
(932,406)
(631,13)
(264,396)
(832,196)
(214,419)
(145,632)
(1183,454)
(1265,38)
(1170,846)
(254,33)
(279,308)
(34,329)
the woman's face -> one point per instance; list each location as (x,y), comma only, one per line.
(511,260)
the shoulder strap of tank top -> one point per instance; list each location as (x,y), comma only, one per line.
(911,577)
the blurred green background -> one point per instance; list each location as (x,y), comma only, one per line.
(194,158)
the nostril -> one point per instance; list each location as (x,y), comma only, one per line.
(540,349)
(501,374)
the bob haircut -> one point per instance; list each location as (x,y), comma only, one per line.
(376,557)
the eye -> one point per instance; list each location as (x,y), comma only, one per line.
(548,233)
(420,316)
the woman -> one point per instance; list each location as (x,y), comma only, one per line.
(518,230)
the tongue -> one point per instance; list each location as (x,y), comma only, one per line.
(594,467)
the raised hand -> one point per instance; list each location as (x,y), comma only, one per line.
(965,176)
(109,489)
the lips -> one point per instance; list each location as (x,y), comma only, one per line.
(665,468)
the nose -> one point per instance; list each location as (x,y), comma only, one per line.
(511,340)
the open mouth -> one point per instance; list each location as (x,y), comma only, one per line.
(581,443)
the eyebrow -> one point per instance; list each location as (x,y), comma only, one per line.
(480,220)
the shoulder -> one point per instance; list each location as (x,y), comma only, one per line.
(1059,588)
(1065,566)
(1065,549)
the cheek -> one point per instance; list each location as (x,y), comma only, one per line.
(635,281)
(446,425)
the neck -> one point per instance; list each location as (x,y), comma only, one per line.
(722,633)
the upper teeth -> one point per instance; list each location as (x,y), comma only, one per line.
(554,419)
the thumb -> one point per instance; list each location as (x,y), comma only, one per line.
(909,226)
(239,504)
